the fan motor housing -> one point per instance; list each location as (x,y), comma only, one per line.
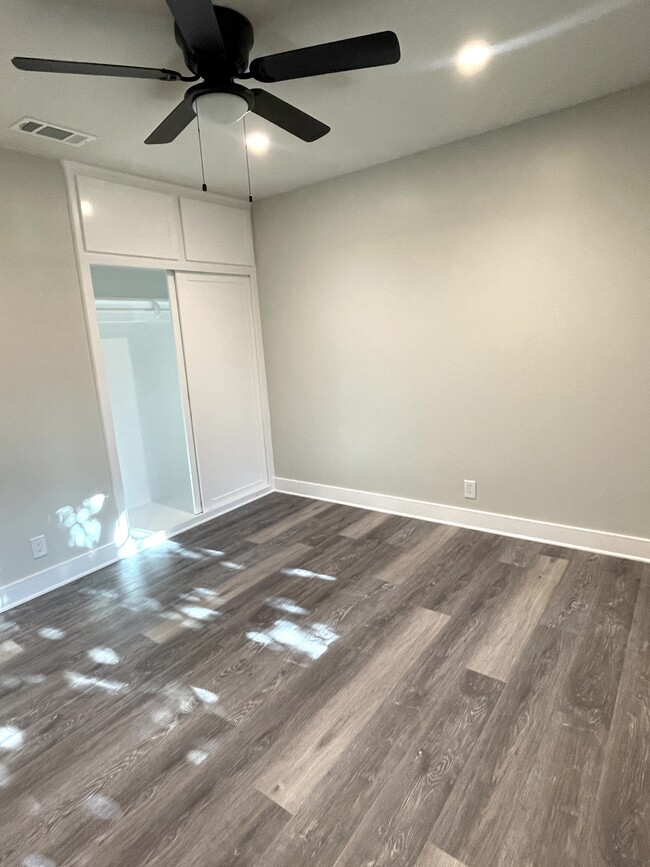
(237,34)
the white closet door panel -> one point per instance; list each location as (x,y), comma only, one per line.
(128,220)
(218,330)
(217,233)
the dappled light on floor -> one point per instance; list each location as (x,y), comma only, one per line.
(37,860)
(102,807)
(11,738)
(51,634)
(103,656)
(130,542)
(285,605)
(307,573)
(82,682)
(313,641)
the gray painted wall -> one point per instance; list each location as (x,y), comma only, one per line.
(479,311)
(52,451)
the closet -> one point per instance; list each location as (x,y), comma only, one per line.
(171,303)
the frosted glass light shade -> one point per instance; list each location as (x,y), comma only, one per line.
(220,108)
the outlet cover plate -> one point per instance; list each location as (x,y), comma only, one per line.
(469,489)
(39,547)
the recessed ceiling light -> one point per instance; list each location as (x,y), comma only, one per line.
(258,142)
(473,57)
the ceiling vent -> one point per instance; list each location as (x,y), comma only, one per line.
(57,133)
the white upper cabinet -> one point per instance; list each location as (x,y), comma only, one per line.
(220,234)
(129,220)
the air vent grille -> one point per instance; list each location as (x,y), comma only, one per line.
(48,130)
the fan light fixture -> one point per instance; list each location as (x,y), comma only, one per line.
(216,43)
(221,108)
(473,57)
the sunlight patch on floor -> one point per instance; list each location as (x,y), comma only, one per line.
(313,641)
(307,573)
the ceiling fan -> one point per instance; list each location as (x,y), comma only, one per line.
(216,42)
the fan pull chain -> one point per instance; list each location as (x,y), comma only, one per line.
(248,168)
(204,186)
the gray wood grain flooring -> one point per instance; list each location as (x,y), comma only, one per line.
(300,683)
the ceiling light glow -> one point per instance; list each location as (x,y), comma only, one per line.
(86,208)
(473,57)
(258,142)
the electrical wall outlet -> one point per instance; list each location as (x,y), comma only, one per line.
(469,489)
(39,547)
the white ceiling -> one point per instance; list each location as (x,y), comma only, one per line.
(550,54)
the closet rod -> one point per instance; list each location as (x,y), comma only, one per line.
(118,305)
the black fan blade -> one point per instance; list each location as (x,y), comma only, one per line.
(173,125)
(39,64)
(376,49)
(288,117)
(197,22)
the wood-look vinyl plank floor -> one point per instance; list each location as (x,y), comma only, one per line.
(301,683)
(310,754)
(399,822)
(292,520)
(412,532)
(434,857)
(572,599)
(410,561)
(364,525)
(458,568)
(621,831)
(501,647)
(473,824)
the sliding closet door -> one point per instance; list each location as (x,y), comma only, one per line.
(218,332)
(146,391)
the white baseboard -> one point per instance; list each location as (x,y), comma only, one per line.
(77,567)
(241,496)
(55,576)
(616,545)
(601,542)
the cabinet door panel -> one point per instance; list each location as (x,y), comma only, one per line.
(217,233)
(127,220)
(218,331)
